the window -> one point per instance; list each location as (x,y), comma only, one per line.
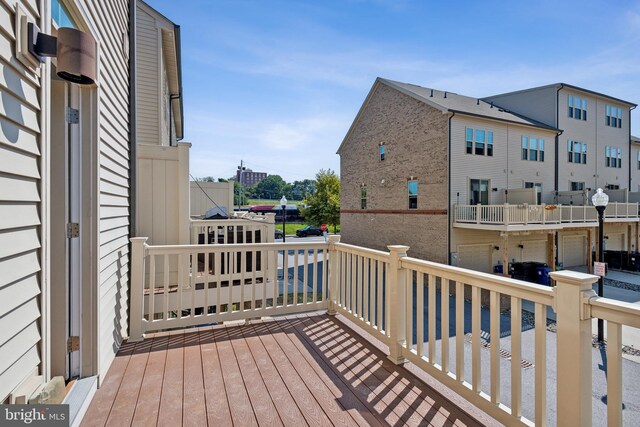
(577,152)
(612,187)
(363,197)
(381,151)
(479,142)
(638,160)
(576,186)
(532,149)
(538,187)
(478,192)
(613,116)
(577,107)
(60,14)
(613,157)
(412,188)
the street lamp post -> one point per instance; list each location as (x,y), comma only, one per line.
(600,201)
(283,203)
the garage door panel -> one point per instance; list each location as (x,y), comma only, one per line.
(574,251)
(614,242)
(475,257)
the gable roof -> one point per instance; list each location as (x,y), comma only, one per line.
(635,139)
(568,86)
(449,102)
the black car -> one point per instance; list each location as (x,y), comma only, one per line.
(278,234)
(309,231)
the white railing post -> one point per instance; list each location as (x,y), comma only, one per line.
(397,289)
(526,213)
(136,286)
(574,347)
(334,274)
(505,215)
(544,213)
(478,213)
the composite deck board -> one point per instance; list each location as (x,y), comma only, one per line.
(122,410)
(101,407)
(289,412)
(218,412)
(148,404)
(171,398)
(194,411)
(336,412)
(294,371)
(263,406)
(305,400)
(239,402)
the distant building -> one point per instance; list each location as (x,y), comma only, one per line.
(250,178)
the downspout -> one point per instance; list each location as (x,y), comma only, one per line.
(557,168)
(450,224)
(629,124)
(132,122)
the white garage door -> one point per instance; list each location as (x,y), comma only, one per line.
(614,242)
(534,250)
(574,251)
(475,257)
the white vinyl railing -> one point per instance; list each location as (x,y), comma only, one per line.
(441,318)
(249,229)
(526,214)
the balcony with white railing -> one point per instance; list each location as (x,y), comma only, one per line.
(509,217)
(508,358)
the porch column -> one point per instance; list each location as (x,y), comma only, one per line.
(551,251)
(574,347)
(136,330)
(505,254)
(629,230)
(334,274)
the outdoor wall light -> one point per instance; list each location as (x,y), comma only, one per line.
(75,50)
(497,248)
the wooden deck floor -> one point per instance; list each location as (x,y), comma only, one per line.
(295,371)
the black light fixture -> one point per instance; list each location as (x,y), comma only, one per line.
(74,49)
(600,200)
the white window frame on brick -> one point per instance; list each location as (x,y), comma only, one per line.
(577,107)
(363,197)
(532,148)
(478,142)
(613,157)
(577,152)
(613,116)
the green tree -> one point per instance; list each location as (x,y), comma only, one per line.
(272,187)
(323,205)
(206,179)
(302,189)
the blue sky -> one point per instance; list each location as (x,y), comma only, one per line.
(278,83)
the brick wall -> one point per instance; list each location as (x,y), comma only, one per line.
(415,136)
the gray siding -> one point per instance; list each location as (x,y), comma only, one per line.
(538,104)
(20,148)
(112,22)
(148,61)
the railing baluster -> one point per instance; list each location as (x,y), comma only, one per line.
(285,277)
(192,282)
(409,310)
(315,288)
(516,356)
(614,374)
(476,374)
(360,288)
(324,283)
(444,323)
(180,284)
(274,300)
(352,296)
(254,284)
(367,284)
(232,272)
(243,269)
(166,283)
(206,283)
(460,331)
(343,282)
(305,277)
(296,265)
(494,312)
(152,286)
(541,365)
(420,314)
(379,272)
(432,318)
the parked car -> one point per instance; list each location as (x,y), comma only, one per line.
(309,231)
(278,234)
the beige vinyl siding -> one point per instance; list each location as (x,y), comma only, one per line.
(112,22)
(505,169)
(20,239)
(635,171)
(147,63)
